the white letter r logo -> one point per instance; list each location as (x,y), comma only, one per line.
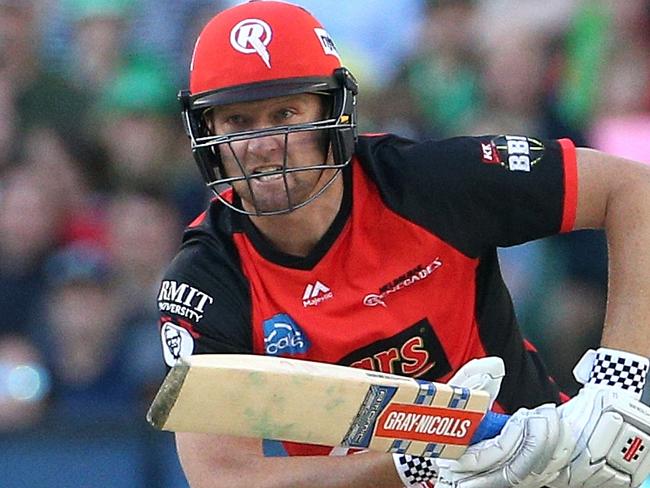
(252,36)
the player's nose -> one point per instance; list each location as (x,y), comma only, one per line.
(265,147)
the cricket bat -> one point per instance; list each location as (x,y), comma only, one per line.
(318,403)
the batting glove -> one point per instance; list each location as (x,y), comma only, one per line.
(528,453)
(609,425)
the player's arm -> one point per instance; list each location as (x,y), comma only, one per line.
(608,424)
(614,194)
(211,461)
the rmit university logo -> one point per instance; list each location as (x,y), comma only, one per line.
(183,299)
(252,36)
(283,336)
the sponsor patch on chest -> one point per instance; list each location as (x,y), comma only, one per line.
(416,351)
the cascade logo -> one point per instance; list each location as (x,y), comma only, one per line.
(252,36)
(428,424)
(410,278)
(183,299)
(283,336)
(316,294)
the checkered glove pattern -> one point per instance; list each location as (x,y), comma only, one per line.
(416,471)
(619,369)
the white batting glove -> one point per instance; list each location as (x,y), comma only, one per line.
(478,374)
(609,426)
(528,453)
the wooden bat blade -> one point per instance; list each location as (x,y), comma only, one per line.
(316,403)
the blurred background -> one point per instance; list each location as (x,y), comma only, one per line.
(97,183)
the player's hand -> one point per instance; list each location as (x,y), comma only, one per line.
(478,374)
(609,426)
(531,449)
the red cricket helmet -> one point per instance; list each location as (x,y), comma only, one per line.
(258,50)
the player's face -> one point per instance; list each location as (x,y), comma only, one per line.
(261,155)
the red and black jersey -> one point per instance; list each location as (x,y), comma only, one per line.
(406,280)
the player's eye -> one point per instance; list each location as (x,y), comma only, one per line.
(235,120)
(285,114)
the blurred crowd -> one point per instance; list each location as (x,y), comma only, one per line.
(97,180)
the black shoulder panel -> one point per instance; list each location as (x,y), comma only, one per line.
(473,192)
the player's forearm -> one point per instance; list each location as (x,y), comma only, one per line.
(212,462)
(359,471)
(627,322)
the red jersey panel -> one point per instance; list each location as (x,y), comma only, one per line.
(383,271)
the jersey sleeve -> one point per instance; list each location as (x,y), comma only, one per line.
(482,192)
(203,305)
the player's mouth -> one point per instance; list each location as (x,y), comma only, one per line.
(268,173)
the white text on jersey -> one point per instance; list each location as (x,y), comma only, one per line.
(182,299)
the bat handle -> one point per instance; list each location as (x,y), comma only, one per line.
(490,426)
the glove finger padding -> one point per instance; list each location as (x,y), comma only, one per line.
(528,453)
(481,374)
(613,436)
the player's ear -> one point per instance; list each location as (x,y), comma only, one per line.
(208,119)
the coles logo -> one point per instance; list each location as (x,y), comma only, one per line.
(251,36)
(283,336)
(428,424)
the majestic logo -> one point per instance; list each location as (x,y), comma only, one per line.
(327,42)
(177,342)
(410,278)
(182,299)
(252,36)
(283,336)
(415,351)
(516,153)
(316,294)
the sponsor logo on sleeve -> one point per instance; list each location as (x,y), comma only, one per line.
(515,153)
(489,152)
(177,342)
(284,337)
(183,300)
